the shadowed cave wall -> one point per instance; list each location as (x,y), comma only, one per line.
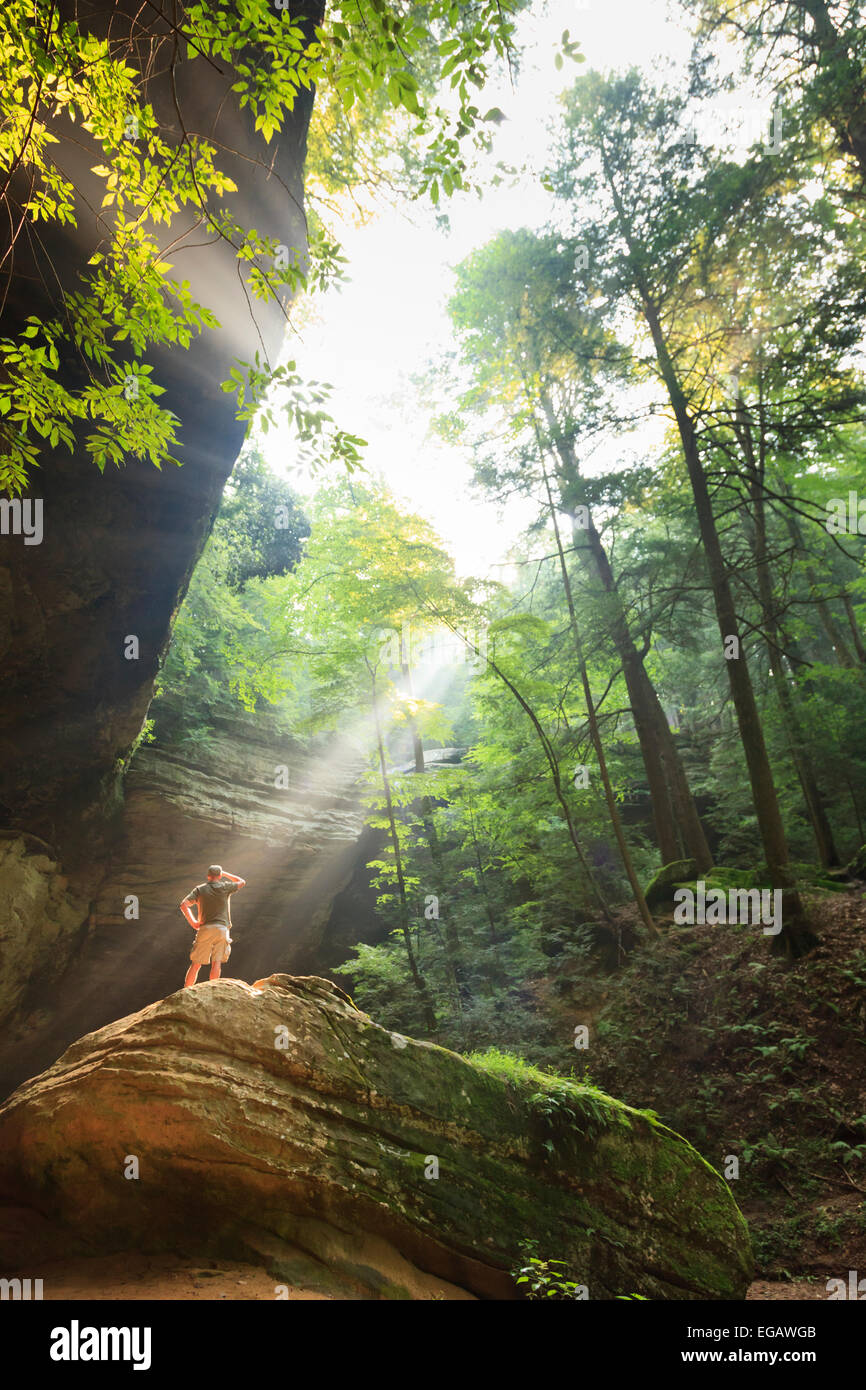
(115,559)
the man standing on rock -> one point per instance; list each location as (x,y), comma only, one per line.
(213,923)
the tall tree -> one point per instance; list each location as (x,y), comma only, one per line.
(811,49)
(658,203)
(545,373)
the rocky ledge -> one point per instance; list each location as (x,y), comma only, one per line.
(278,1122)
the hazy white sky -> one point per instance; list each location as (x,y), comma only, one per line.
(389,321)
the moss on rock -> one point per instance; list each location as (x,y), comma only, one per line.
(660,889)
(326,1148)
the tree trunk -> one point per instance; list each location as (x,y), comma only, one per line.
(795,936)
(854,626)
(417,978)
(814,802)
(456,971)
(616,823)
(857,815)
(677,824)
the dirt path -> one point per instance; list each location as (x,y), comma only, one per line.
(813,1289)
(130,1276)
(108,1278)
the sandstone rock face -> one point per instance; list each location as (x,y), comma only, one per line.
(279,1122)
(71,964)
(118,548)
(295,844)
(42,916)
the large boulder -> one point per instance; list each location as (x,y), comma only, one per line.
(278,1122)
(661,887)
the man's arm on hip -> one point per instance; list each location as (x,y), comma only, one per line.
(186,909)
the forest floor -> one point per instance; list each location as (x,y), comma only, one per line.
(751,1058)
(170,1278)
(747,1055)
(106,1278)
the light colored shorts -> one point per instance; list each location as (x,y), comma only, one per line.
(211,944)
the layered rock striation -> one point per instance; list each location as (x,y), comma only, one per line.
(75,956)
(116,549)
(279,1123)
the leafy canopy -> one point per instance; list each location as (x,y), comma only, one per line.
(78,377)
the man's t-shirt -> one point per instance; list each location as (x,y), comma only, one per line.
(213,900)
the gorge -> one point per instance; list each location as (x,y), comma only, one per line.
(494,710)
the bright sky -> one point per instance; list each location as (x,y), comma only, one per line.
(390,321)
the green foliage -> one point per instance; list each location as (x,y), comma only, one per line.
(547,1279)
(221,656)
(754,270)
(151,179)
(260,525)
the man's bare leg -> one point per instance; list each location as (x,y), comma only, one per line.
(191,976)
(215,967)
